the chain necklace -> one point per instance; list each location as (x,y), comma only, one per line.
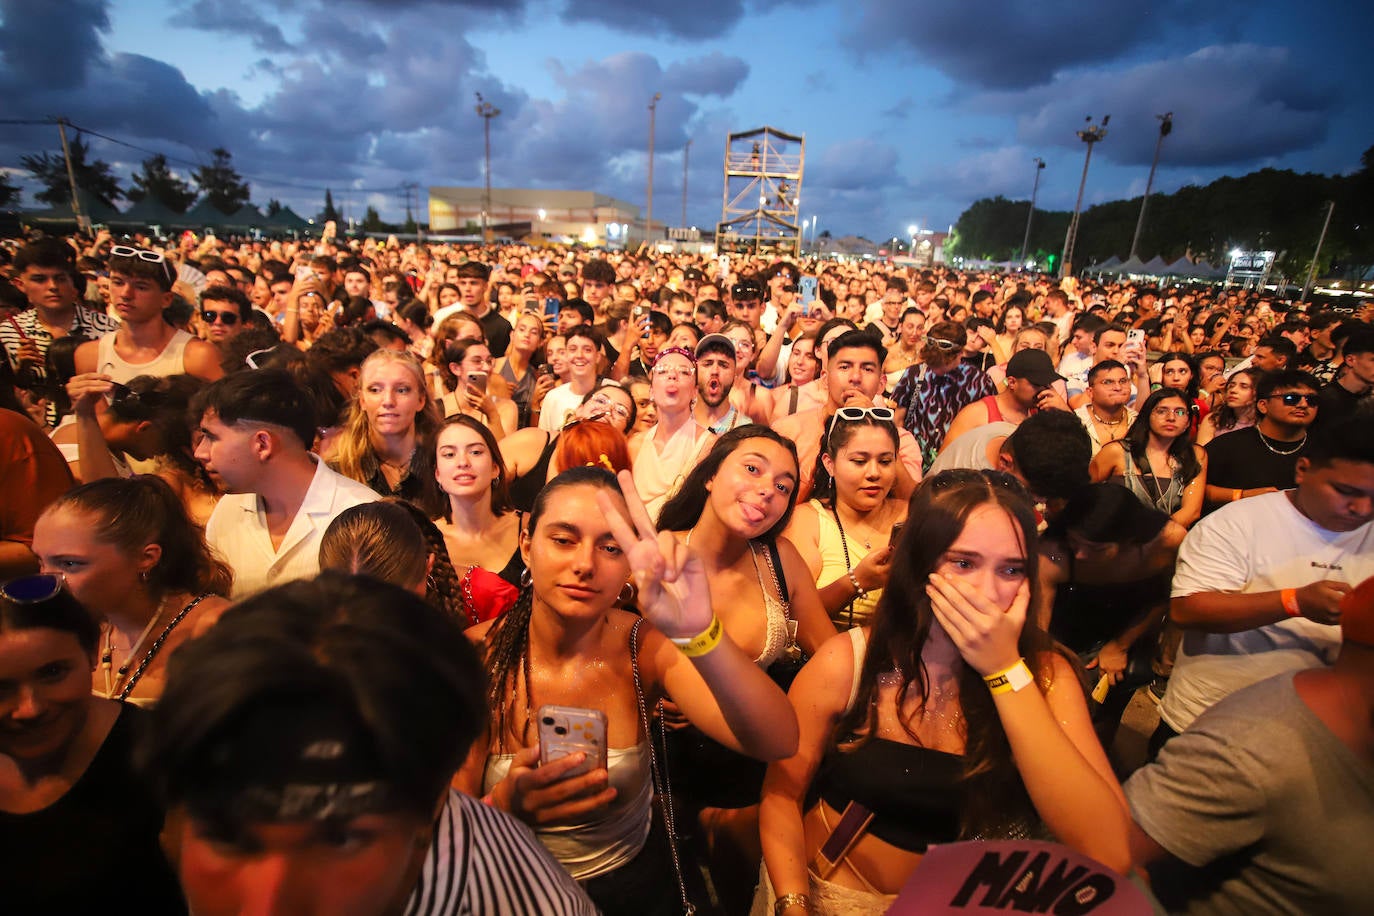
(1112,423)
(1292,451)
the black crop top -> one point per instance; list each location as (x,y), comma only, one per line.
(915,793)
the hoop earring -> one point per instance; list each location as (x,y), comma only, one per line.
(526,580)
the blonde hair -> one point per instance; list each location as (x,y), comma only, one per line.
(353,453)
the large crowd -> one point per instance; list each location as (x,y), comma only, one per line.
(364,577)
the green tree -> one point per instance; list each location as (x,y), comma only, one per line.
(9,193)
(223,187)
(273,206)
(330,211)
(94,177)
(155,179)
(372,221)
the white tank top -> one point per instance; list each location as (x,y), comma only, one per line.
(171,361)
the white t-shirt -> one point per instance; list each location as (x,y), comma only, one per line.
(1259,544)
(558,403)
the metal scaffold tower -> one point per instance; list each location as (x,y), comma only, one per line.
(763,177)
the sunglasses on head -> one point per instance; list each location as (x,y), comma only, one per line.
(1294,398)
(940,343)
(210,316)
(33,589)
(855,414)
(143,254)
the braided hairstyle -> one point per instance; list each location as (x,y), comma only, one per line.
(507,642)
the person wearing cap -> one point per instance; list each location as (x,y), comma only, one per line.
(692,278)
(1264,804)
(310,773)
(1030,387)
(716,364)
(1259,582)
(256,428)
(781,280)
(746,301)
(144,344)
(666,453)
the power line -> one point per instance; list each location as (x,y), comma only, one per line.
(271,182)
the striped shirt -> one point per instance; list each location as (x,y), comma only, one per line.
(89,323)
(484,861)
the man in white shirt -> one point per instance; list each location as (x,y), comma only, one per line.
(1259,582)
(581,354)
(256,429)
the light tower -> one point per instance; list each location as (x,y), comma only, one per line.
(1090,135)
(486,111)
(1035,189)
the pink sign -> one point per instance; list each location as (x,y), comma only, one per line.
(1015,876)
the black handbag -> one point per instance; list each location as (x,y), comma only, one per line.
(784,670)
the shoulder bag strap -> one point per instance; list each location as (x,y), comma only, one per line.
(658,770)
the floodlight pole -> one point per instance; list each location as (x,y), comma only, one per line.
(1035,190)
(83,222)
(487,111)
(1312,271)
(686,152)
(1089,135)
(649,202)
(1166,124)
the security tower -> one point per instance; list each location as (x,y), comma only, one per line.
(763,177)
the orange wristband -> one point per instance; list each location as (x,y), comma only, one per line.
(1236,494)
(1289,598)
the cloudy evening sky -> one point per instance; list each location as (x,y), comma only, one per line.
(911,109)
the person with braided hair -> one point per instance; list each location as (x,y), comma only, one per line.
(566,643)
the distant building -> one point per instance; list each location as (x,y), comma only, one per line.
(538,213)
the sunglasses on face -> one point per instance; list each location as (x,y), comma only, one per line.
(33,589)
(143,254)
(1294,398)
(228,319)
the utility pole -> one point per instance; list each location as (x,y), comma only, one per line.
(486,111)
(1312,271)
(1035,190)
(1088,135)
(649,208)
(1166,125)
(686,152)
(83,222)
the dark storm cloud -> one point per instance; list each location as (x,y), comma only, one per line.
(1233,106)
(703,19)
(1012,44)
(52,42)
(238,18)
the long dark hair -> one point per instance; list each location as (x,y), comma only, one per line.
(1224,416)
(500,490)
(1191,391)
(837,435)
(507,642)
(994,794)
(683,510)
(1181,450)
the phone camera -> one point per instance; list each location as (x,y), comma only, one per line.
(560,730)
(548,720)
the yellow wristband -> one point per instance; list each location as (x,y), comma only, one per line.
(703,642)
(1237,494)
(1010,680)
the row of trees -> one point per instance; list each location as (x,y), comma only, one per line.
(1271,209)
(218,181)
